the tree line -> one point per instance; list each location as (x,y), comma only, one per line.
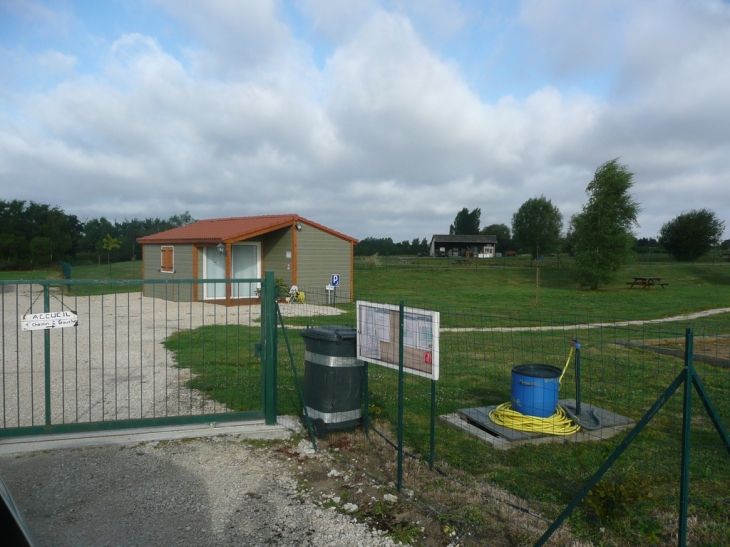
(34,234)
(600,237)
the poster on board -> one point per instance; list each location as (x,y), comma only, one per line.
(377,338)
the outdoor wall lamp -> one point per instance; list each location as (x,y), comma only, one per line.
(221,249)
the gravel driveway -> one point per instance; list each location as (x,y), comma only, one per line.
(217,491)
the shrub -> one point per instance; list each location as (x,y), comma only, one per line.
(372,262)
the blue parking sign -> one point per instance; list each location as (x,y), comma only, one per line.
(335,280)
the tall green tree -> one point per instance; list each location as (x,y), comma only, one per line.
(466,223)
(21,222)
(110,243)
(691,234)
(537,225)
(503,234)
(603,231)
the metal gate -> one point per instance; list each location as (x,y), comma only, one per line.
(143,352)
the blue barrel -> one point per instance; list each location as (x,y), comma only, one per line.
(535,389)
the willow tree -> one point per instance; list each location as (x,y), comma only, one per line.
(603,231)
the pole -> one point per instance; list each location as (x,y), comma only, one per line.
(433,425)
(47,354)
(268,324)
(576,344)
(366,400)
(537,285)
(686,433)
(400,395)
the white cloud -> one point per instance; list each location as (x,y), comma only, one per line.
(338,21)
(235,37)
(387,139)
(55,62)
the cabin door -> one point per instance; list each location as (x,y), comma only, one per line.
(215,268)
(245,264)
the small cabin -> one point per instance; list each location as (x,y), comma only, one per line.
(480,246)
(302,252)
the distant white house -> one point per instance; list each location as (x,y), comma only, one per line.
(481,246)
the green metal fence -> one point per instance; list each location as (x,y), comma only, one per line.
(138,355)
(625,368)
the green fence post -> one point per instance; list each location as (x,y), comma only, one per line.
(366,400)
(686,433)
(47,354)
(432,451)
(578,408)
(400,396)
(268,326)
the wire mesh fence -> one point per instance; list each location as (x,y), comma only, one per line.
(139,354)
(716,257)
(625,367)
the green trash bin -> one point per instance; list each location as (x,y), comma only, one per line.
(333,378)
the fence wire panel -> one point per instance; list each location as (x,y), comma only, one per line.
(528,479)
(318,307)
(139,353)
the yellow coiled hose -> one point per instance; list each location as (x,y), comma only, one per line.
(557,424)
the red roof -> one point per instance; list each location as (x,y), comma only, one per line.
(229,230)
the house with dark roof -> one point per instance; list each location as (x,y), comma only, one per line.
(480,246)
(298,250)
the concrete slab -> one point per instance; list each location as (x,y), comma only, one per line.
(250,429)
(476,422)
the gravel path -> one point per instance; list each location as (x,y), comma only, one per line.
(113,365)
(217,491)
(684,317)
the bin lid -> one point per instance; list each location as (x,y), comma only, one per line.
(332,333)
(537,371)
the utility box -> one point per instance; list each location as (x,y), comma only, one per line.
(333,378)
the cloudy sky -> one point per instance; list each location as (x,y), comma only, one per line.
(377,118)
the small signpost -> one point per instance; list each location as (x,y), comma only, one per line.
(49,320)
(333,287)
(404,339)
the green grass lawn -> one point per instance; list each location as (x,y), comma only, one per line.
(119,270)
(91,272)
(691,288)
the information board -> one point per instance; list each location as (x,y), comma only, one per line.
(378,336)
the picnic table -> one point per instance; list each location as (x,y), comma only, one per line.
(647,282)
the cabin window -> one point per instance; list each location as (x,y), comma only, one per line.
(167,260)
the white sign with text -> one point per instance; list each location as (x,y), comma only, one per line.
(49,320)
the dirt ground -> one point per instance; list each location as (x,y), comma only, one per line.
(713,347)
(432,510)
